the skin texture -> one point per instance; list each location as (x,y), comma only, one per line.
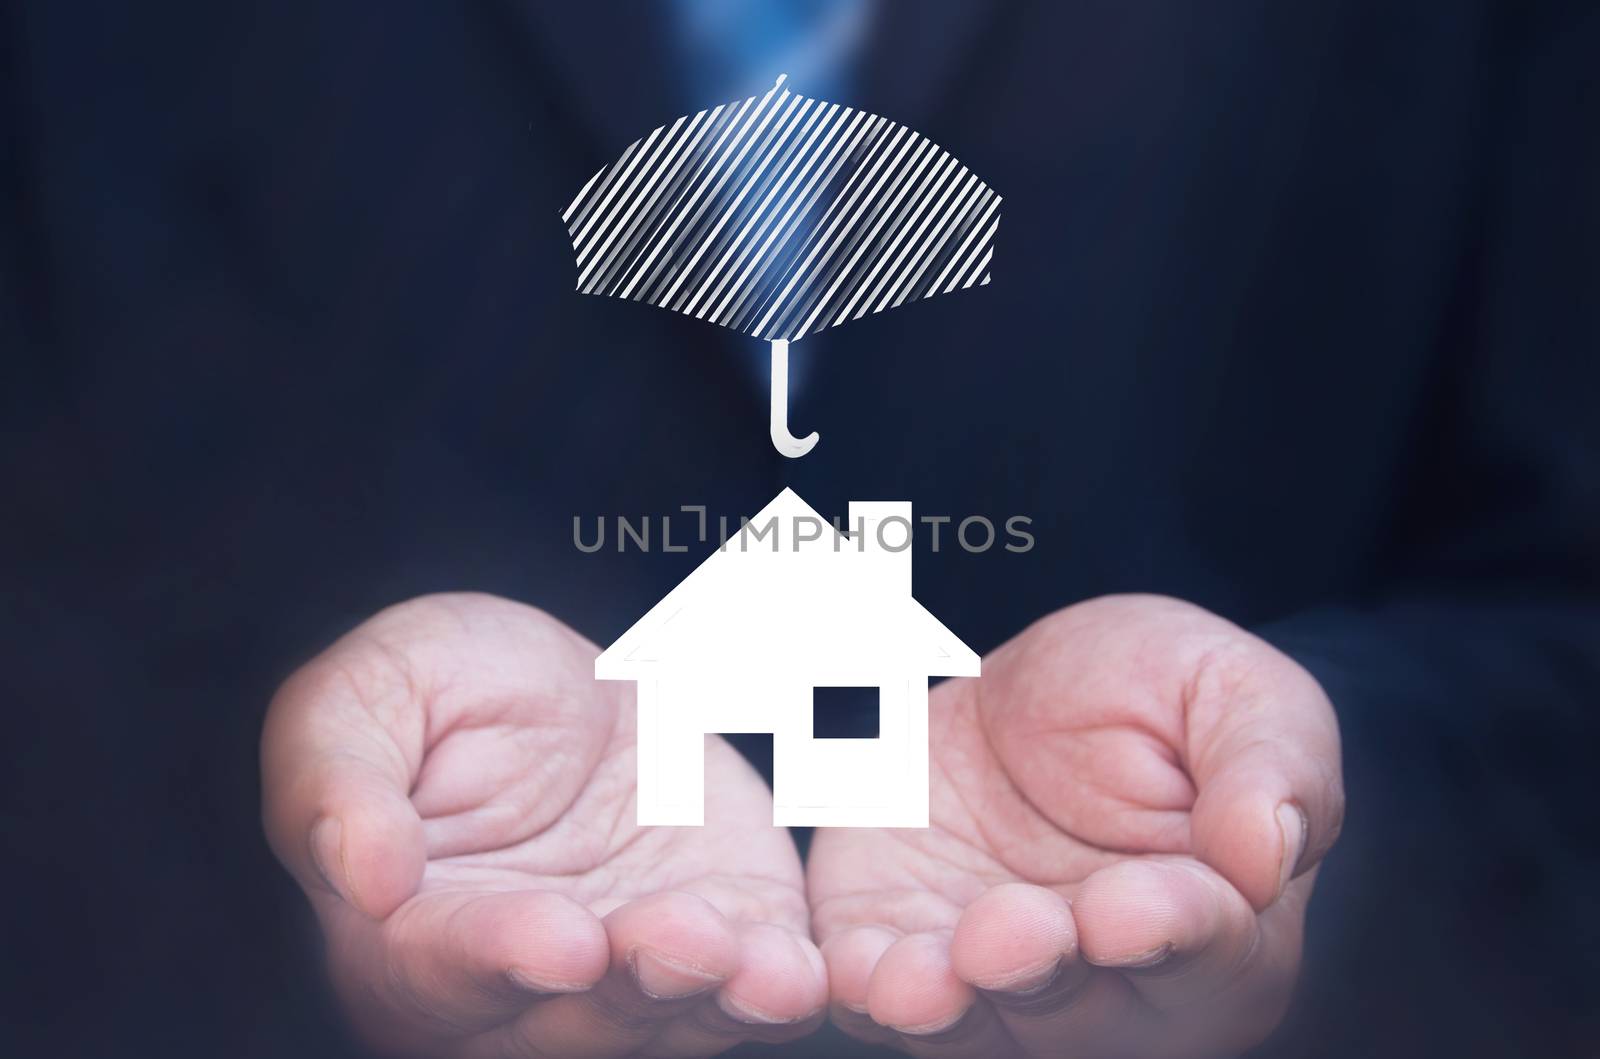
(455,793)
(1127,811)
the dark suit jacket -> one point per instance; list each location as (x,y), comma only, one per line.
(1296,314)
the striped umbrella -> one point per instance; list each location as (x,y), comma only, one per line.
(778,216)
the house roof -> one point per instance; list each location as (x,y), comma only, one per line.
(790,592)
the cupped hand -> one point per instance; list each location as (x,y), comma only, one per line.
(1127,811)
(455,793)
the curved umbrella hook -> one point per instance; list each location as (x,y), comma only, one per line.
(782,440)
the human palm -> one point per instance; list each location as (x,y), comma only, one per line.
(1126,812)
(455,792)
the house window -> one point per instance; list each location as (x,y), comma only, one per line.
(844,713)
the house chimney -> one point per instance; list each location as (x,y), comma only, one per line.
(887,534)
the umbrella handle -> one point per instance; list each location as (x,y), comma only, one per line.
(782,440)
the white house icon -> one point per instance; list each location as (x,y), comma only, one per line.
(788,605)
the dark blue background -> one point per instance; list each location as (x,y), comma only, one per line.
(1296,314)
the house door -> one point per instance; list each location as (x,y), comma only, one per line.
(854,781)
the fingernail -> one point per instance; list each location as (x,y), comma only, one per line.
(532,984)
(327,853)
(665,979)
(929,1029)
(741,1011)
(1029,980)
(1141,961)
(1292,822)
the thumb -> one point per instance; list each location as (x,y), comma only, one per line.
(335,781)
(1264,752)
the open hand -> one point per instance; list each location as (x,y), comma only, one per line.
(1127,810)
(455,793)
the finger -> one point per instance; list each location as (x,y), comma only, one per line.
(1265,755)
(458,963)
(915,991)
(668,952)
(781,978)
(1174,928)
(1018,945)
(779,993)
(851,956)
(335,778)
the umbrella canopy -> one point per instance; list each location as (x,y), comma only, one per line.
(778,216)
